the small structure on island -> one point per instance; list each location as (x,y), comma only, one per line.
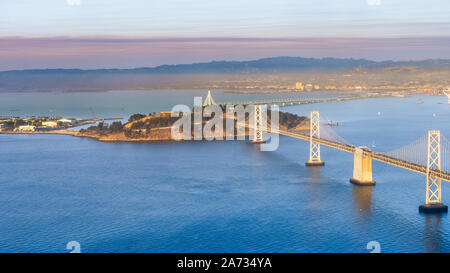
(50,124)
(209,100)
(65,121)
(25,128)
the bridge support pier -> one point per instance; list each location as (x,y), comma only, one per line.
(362,169)
(258,125)
(314,163)
(433,200)
(433,208)
(314,147)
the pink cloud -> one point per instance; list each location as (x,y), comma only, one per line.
(119,52)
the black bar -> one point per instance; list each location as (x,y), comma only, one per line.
(222,262)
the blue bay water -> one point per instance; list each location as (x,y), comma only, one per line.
(216,196)
(118,103)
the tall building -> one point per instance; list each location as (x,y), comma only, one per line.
(299,86)
(447,93)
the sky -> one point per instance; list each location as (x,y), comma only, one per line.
(138,33)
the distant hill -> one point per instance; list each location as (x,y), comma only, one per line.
(194,75)
(265,65)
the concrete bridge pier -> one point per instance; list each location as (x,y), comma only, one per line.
(362,169)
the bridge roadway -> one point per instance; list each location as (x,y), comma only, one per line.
(374,155)
(284,102)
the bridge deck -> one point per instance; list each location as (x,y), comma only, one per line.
(374,155)
(289,101)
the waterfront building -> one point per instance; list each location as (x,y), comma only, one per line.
(299,86)
(64,120)
(25,128)
(447,93)
(51,124)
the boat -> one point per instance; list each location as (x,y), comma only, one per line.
(332,124)
(419,101)
(373,144)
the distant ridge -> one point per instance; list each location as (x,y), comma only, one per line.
(216,74)
(266,65)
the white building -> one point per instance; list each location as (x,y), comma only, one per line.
(309,87)
(299,86)
(51,124)
(27,128)
(447,93)
(64,120)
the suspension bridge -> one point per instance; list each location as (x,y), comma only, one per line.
(428,155)
(290,101)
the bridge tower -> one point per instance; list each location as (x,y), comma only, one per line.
(314,147)
(258,125)
(362,168)
(433,201)
(209,100)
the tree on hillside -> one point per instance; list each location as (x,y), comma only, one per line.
(116,126)
(136,117)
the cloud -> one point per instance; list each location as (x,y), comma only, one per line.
(125,52)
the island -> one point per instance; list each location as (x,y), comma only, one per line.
(154,127)
(158,127)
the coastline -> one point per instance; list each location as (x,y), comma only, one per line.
(54,132)
(121,138)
